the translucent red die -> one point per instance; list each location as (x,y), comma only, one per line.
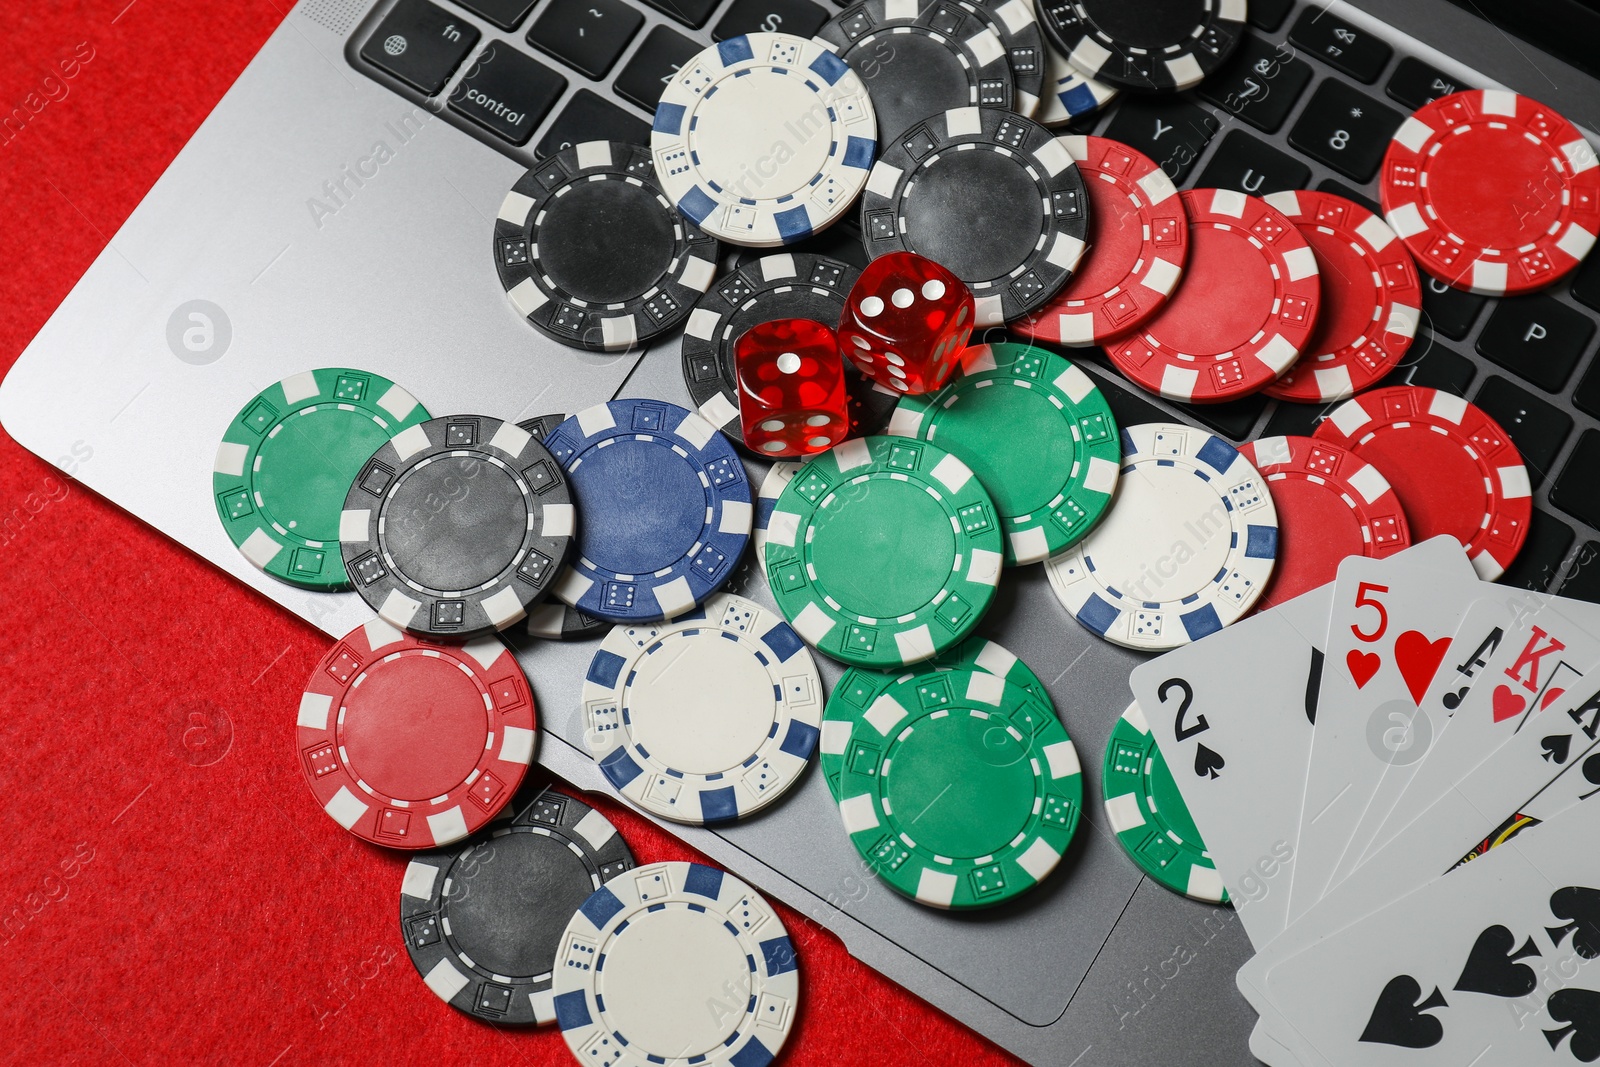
(906,322)
(792,399)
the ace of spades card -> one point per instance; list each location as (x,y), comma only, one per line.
(1494,965)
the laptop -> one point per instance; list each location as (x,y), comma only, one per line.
(337,208)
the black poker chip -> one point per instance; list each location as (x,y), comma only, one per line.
(593,254)
(785,285)
(918,57)
(992,196)
(482,921)
(1151,47)
(553,620)
(457,526)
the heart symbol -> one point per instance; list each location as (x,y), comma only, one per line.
(1363,665)
(1418,658)
(1550,697)
(1507,703)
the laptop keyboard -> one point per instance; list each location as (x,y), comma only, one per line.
(1311,106)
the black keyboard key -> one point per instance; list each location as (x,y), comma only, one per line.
(1586,282)
(1449,310)
(1295,420)
(1260,83)
(692,13)
(507,93)
(1574,491)
(1537,428)
(507,14)
(647,74)
(1541,555)
(1587,396)
(588,117)
(1173,132)
(1339,44)
(1432,367)
(1341,189)
(1269,14)
(1537,338)
(1415,83)
(1233,419)
(588,35)
(1583,583)
(800,17)
(421,44)
(1242,162)
(1346,129)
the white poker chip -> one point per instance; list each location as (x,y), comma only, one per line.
(1188,546)
(707,718)
(764,139)
(1068,94)
(772,487)
(678,963)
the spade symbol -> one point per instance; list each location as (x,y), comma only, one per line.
(1582,906)
(1452,701)
(1207,763)
(1580,1010)
(1492,966)
(1397,1018)
(1556,748)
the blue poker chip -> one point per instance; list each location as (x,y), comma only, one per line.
(1188,546)
(665,509)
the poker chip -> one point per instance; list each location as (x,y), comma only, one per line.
(1248,304)
(676,963)
(763,139)
(1187,548)
(1068,95)
(772,487)
(786,285)
(1046,448)
(960,790)
(1371,299)
(593,254)
(482,921)
(1146,811)
(1139,231)
(1492,192)
(456,526)
(697,753)
(1331,504)
(858,690)
(665,504)
(1150,47)
(553,620)
(1452,467)
(412,744)
(884,551)
(287,460)
(991,196)
(921,57)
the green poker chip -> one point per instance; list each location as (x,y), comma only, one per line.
(960,789)
(859,688)
(1148,815)
(884,551)
(1037,432)
(286,462)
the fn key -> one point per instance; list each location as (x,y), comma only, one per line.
(421,44)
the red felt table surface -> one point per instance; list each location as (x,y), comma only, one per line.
(170,891)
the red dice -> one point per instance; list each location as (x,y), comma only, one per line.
(906,321)
(792,398)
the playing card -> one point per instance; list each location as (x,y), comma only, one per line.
(1389,629)
(1233,716)
(1493,965)
(1487,808)
(1523,662)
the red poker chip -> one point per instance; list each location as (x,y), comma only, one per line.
(1139,236)
(1371,299)
(1452,466)
(1331,504)
(1247,306)
(1493,192)
(412,744)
